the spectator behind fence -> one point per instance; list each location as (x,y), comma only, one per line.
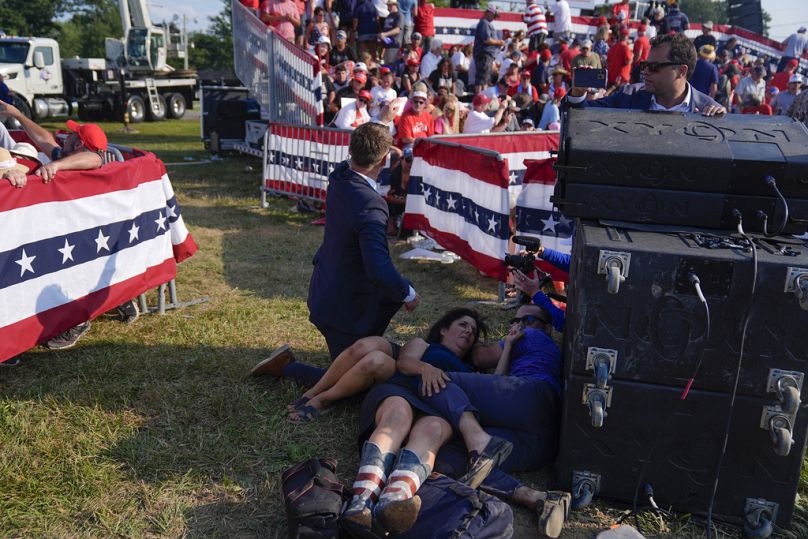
(619,61)
(461,60)
(706,37)
(666,72)
(365,25)
(536,24)
(586,58)
(444,77)
(753,105)
(416,121)
(795,45)
(283,16)
(12,171)
(354,114)
(486,47)
(390,35)
(450,122)
(783,101)
(383,93)
(781,79)
(562,26)
(352,90)
(340,52)
(407,9)
(430,60)
(551,113)
(424,21)
(676,21)
(410,76)
(623,8)
(705,75)
(478,121)
(753,85)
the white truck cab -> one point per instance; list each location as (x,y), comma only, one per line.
(31,67)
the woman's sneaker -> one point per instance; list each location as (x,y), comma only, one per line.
(128,311)
(68,338)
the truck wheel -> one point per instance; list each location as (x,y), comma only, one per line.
(22,106)
(137,109)
(176,106)
(158,114)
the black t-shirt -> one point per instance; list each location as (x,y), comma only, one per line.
(702,40)
(438,80)
(337,57)
(390,22)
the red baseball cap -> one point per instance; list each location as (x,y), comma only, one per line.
(602,21)
(92,136)
(360,77)
(624,32)
(364,94)
(526,73)
(545,54)
(560,93)
(413,62)
(793,62)
(384,70)
(642,28)
(480,99)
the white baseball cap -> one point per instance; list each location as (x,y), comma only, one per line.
(795,78)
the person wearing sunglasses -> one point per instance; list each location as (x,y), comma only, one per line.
(416,121)
(354,114)
(666,87)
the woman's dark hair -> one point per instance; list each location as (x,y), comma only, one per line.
(682,51)
(450,316)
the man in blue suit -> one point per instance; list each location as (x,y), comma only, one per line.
(355,289)
(666,73)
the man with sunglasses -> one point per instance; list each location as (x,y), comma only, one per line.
(354,114)
(417,121)
(666,73)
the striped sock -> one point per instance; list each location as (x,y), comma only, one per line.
(406,478)
(373,469)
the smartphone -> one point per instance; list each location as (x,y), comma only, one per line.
(589,78)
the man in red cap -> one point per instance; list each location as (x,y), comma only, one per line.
(354,114)
(780,80)
(81,151)
(619,61)
(352,90)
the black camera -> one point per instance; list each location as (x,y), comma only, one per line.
(524,262)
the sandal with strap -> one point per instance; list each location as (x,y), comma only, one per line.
(295,404)
(553,512)
(307,414)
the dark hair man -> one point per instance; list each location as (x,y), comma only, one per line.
(666,73)
(355,289)
(486,47)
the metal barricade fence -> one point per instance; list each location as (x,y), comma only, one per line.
(251,56)
(298,160)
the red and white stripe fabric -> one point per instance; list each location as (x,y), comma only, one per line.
(403,485)
(370,479)
(459,196)
(534,19)
(84,244)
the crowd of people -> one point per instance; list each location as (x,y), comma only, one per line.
(381,62)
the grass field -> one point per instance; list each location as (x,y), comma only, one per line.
(153,430)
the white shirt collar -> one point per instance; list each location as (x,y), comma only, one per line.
(368,179)
(684,106)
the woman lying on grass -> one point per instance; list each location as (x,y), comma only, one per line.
(519,415)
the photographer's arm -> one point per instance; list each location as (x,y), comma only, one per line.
(531,287)
(556,258)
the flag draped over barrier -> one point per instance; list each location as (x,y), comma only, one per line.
(84,244)
(459,195)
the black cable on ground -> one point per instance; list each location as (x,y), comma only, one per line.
(747,317)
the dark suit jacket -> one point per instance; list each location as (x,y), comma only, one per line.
(636,98)
(353,273)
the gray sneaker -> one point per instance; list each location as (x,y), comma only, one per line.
(128,311)
(69,337)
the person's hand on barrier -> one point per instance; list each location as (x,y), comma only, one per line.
(713,110)
(432,380)
(412,305)
(16,178)
(528,285)
(48,172)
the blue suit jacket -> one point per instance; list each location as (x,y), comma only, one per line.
(635,97)
(353,273)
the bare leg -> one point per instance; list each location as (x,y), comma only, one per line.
(371,369)
(473,434)
(393,421)
(346,361)
(427,436)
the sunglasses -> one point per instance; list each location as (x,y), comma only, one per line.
(654,67)
(528,319)
(418,101)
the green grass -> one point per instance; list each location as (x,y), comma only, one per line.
(153,430)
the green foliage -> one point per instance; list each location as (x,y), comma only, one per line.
(699,11)
(92,21)
(31,17)
(213,49)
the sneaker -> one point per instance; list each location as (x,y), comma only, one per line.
(128,311)
(69,337)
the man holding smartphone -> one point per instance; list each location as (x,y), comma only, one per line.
(666,74)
